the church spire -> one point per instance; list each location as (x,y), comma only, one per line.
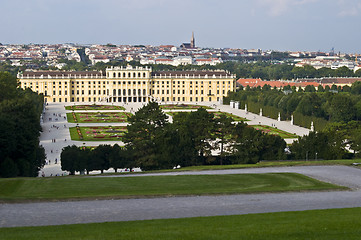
(193,41)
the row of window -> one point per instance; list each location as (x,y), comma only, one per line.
(77,99)
(190,82)
(78,92)
(184,99)
(118,92)
(128,92)
(184,92)
(125,75)
(132,99)
(128,99)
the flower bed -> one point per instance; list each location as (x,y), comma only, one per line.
(98,133)
(216,115)
(182,106)
(274,131)
(94,107)
(94,117)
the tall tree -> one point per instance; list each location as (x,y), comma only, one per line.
(143,129)
(223,131)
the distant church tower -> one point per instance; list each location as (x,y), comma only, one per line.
(193,41)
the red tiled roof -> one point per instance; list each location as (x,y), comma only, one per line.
(248,81)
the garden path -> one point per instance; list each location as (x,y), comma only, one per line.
(58,213)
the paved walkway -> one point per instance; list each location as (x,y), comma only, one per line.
(58,213)
(55,127)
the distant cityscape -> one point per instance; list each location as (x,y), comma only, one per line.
(53,55)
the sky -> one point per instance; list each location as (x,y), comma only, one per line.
(293,25)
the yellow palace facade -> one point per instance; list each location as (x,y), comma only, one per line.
(130,84)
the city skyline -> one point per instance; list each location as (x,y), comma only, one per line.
(294,25)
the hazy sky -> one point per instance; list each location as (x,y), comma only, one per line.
(267,24)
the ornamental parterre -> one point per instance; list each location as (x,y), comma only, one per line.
(97,117)
(112,133)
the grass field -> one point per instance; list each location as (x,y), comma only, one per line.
(271,164)
(96,117)
(21,189)
(335,224)
(274,131)
(94,107)
(98,133)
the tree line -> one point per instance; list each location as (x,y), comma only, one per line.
(266,70)
(20,111)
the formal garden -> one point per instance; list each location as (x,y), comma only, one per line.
(182,106)
(97,117)
(109,133)
(217,115)
(274,131)
(94,107)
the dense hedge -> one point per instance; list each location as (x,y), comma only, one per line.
(20,110)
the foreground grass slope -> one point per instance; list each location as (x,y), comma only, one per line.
(22,189)
(332,224)
(291,163)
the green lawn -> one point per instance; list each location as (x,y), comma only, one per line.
(274,131)
(94,107)
(21,189)
(98,133)
(271,164)
(335,224)
(97,117)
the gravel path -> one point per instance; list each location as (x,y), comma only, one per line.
(57,213)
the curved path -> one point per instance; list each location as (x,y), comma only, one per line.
(57,213)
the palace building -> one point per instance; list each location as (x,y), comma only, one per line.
(129,84)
